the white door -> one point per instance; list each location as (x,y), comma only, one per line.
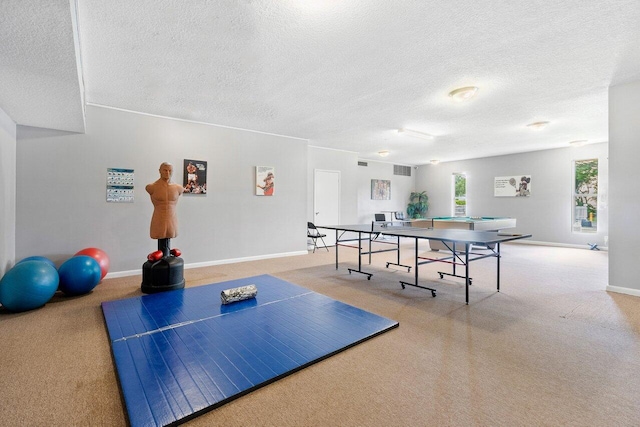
(326,201)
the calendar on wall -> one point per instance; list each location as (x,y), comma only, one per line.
(119,185)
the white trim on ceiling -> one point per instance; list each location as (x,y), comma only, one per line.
(194,121)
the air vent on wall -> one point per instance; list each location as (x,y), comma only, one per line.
(363,164)
(402,170)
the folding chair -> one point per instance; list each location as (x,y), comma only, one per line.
(381,220)
(400,217)
(380,217)
(314,234)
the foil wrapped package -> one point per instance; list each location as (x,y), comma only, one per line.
(238,294)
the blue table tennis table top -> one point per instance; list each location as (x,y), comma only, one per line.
(181,353)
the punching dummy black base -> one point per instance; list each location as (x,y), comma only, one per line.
(165,274)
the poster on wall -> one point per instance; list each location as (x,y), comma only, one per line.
(119,185)
(512,186)
(380,189)
(265,180)
(195,177)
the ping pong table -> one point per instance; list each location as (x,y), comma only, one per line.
(459,242)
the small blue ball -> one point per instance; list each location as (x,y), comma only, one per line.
(28,285)
(79,275)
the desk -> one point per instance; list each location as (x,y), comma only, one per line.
(459,242)
(392,215)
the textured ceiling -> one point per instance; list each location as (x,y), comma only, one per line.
(345,74)
(39,82)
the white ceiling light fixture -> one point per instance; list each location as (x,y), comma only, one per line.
(578,143)
(435,162)
(415,133)
(463,93)
(538,125)
(383,153)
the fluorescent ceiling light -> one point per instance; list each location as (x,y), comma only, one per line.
(435,162)
(537,125)
(578,143)
(383,153)
(463,93)
(415,133)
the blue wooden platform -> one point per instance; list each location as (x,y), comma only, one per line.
(181,353)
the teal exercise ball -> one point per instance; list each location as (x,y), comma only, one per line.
(38,258)
(79,275)
(28,285)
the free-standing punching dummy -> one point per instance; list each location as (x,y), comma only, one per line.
(164,268)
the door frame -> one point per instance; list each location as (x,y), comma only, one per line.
(337,196)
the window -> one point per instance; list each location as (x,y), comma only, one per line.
(585,196)
(459,194)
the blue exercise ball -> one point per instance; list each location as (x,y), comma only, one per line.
(79,275)
(38,258)
(28,285)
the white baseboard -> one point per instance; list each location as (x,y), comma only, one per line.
(210,263)
(559,245)
(626,291)
(123,274)
(250,258)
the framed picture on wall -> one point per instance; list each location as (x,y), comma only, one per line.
(512,186)
(380,189)
(265,180)
(195,177)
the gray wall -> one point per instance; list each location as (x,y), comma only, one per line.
(401,188)
(62,184)
(624,140)
(336,160)
(7,192)
(61,177)
(546,214)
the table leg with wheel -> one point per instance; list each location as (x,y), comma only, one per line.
(359,270)
(498,263)
(337,241)
(466,269)
(415,283)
